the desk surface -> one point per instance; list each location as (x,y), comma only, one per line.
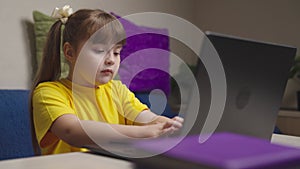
(90,161)
(66,161)
(287,140)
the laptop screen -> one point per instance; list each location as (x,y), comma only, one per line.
(256,75)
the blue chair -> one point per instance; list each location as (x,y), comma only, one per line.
(158,100)
(15,133)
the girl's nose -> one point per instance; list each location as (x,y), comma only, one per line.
(109,59)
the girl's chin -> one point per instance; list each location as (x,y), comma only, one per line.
(103,81)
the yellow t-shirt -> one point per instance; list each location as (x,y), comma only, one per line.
(112,103)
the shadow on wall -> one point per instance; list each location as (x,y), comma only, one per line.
(29,37)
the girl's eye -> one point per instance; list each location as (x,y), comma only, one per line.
(116,53)
(98,51)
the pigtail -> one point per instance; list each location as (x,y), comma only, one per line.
(49,70)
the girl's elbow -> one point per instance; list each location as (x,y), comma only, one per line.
(76,138)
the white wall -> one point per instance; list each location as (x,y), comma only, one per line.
(268,20)
(16,49)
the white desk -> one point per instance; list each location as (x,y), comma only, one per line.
(90,161)
(66,161)
(287,140)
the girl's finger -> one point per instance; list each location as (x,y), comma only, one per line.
(177,124)
(179,119)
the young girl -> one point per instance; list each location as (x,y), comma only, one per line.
(87,107)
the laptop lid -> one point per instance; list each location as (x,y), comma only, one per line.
(256,75)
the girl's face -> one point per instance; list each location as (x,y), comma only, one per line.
(96,64)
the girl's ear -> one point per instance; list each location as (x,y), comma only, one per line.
(69,52)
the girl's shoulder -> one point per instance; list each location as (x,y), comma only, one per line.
(51,87)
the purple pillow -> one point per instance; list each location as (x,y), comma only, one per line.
(145,58)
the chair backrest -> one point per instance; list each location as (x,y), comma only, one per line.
(15,134)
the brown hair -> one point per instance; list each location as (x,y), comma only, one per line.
(81,26)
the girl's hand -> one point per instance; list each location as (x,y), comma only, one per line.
(151,120)
(147,117)
(176,122)
(157,130)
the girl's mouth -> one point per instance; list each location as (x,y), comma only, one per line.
(107,71)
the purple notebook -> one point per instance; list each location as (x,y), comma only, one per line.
(221,150)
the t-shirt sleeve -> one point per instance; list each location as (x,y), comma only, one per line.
(48,103)
(131,105)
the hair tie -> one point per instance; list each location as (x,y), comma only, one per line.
(62,13)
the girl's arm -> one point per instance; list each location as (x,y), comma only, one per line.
(82,132)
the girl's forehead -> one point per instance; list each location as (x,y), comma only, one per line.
(103,45)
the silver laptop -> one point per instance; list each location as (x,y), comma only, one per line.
(256,74)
